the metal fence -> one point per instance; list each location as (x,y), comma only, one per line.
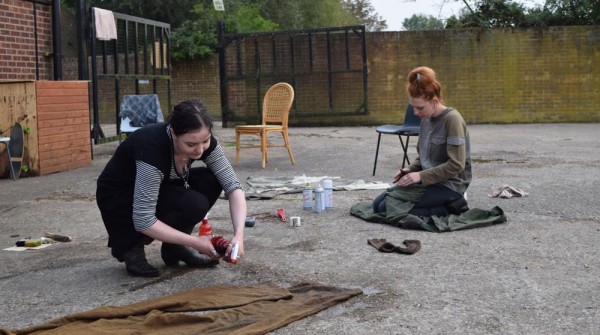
(137,62)
(323,65)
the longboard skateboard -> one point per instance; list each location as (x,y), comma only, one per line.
(15,150)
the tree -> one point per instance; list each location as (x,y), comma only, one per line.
(248,19)
(197,37)
(364,13)
(194,22)
(302,14)
(572,12)
(492,14)
(422,22)
(505,13)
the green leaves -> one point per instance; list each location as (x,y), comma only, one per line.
(194,23)
(512,14)
(422,22)
(197,37)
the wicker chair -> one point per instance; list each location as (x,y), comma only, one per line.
(276,108)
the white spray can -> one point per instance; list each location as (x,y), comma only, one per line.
(319,199)
(307,197)
(328,193)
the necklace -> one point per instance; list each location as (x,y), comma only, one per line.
(185,170)
(185,173)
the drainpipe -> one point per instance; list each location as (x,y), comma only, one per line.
(56,44)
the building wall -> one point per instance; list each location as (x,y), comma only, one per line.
(490,76)
(18,22)
(198,79)
(497,76)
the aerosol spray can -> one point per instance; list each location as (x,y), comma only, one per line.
(328,192)
(233,257)
(307,197)
(319,199)
(205,229)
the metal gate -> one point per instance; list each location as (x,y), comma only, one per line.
(327,68)
(137,62)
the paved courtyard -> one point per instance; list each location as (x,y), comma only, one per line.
(536,274)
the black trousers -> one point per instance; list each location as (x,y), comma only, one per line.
(177,207)
(432,202)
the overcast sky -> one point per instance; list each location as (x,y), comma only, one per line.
(395,11)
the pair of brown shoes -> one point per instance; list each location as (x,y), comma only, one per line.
(381,244)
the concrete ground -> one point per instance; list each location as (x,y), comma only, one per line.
(536,274)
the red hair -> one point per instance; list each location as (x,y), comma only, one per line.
(423,83)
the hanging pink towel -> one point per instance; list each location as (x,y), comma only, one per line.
(106,28)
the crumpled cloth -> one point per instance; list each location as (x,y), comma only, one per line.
(252,309)
(381,244)
(399,202)
(106,28)
(141,109)
(269,187)
(506,191)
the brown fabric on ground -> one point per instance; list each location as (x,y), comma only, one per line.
(253,309)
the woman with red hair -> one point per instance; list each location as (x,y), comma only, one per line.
(444,162)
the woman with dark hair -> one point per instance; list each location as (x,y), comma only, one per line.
(444,162)
(149,190)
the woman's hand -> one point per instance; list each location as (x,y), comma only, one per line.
(232,242)
(400,174)
(409,179)
(205,246)
(238,210)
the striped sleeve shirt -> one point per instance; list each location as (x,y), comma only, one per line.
(149,178)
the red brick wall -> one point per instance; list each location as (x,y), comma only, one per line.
(17,40)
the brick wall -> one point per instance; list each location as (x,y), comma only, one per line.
(17,40)
(491,76)
(198,79)
(495,76)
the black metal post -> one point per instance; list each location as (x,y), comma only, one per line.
(35,38)
(365,70)
(222,77)
(82,64)
(56,41)
(96,129)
